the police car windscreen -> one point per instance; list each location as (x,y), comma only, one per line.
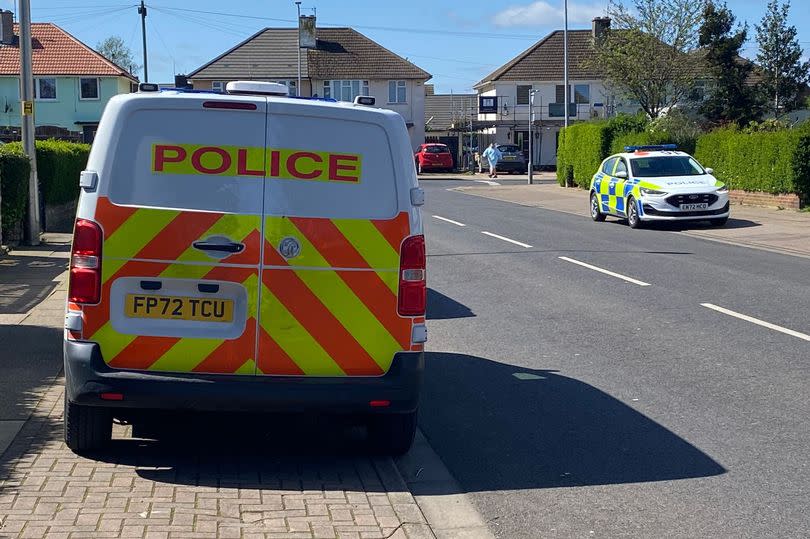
(246,162)
(665,165)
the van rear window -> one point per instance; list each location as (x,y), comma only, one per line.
(230,161)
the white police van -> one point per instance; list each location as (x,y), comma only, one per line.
(246,252)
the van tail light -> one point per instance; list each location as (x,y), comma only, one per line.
(412,283)
(85,263)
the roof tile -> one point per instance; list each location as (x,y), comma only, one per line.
(56,52)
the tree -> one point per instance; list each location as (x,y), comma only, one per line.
(784,75)
(117,51)
(648,54)
(731,98)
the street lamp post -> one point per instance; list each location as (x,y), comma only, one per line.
(531,135)
(298,87)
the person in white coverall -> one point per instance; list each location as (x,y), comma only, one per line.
(493,155)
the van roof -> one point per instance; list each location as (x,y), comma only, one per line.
(197,95)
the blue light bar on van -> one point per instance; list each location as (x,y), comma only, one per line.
(653,148)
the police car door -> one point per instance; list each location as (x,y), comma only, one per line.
(620,177)
(180,207)
(332,231)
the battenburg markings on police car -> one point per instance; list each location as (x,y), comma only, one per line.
(281,163)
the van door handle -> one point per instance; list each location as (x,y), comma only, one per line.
(231,247)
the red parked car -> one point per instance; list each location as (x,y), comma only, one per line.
(433,157)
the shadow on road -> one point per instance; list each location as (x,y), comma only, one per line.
(441,307)
(498,427)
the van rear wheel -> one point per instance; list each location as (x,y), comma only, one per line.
(392,434)
(86,428)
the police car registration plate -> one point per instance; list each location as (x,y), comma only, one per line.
(688,207)
(178,308)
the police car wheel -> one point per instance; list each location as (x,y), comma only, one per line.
(632,213)
(392,434)
(596,213)
(86,428)
(720,221)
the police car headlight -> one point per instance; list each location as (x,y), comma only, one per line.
(722,189)
(651,192)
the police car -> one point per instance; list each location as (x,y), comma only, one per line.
(657,183)
(246,252)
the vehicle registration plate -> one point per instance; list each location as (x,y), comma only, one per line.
(178,308)
(508,157)
(701,206)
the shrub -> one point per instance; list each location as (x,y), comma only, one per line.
(14,172)
(583,147)
(770,161)
(59,165)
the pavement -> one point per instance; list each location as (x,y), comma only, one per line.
(589,380)
(242,478)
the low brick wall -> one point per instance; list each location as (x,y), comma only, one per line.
(758,198)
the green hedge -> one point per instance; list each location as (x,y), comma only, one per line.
(773,162)
(582,148)
(59,164)
(14,171)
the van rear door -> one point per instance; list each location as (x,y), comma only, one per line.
(180,205)
(332,229)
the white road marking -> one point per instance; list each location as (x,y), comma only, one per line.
(488,182)
(606,272)
(526,245)
(757,321)
(440,218)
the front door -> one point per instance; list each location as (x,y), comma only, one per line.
(181,216)
(618,199)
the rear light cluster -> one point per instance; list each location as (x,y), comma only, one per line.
(85,263)
(412,283)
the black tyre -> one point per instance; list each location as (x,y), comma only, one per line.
(86,428)
(596,212)
(720,221)
(392,434)
(633,218)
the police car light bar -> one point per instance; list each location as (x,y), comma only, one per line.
(653,148)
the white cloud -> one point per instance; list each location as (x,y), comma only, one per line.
(541,13)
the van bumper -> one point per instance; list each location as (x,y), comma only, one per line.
(87,377)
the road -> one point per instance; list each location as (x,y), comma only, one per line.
(667,398)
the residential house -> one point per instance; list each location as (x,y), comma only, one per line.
(72,82)
(344,65)
(447,119)
(505,94)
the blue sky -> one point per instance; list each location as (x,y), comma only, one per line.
(458,42)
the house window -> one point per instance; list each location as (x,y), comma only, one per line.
(397,91)
(523,92)
(88,88)
(292,86)
(582,93)
(344,90)
(218,86)
(559,93)
(45,89)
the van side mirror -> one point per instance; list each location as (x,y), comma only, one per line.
(709,171)
(621,174)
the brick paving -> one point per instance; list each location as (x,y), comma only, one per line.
(135,490)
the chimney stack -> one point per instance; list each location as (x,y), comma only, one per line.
(6,27)
(599,25)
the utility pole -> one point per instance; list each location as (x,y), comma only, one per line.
(531,137)
(565,68)
(298,88)
(142,13)
(28,129)
(565,63)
